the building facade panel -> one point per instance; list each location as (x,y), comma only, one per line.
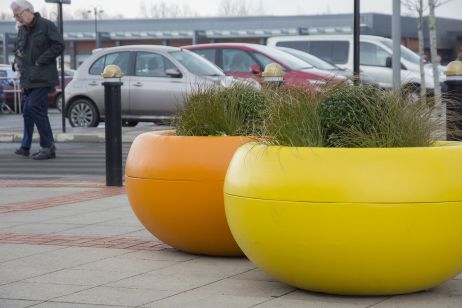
(80,34)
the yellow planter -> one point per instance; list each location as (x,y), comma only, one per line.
(349,221)
(175,187)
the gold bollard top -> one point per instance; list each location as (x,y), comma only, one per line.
(273,70)
(112,71)
(454,68)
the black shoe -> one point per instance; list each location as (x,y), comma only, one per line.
(22,152)
(45,153)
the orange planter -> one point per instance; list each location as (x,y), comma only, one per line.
(175,188)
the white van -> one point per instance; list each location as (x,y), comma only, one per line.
(375,56)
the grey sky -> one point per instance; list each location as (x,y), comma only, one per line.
(131,8)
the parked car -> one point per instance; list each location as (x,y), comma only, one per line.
(156,80)
(249,60)
(8,84)
(55,97)
(375,60)
(316,62)
(12,90)
(324,65)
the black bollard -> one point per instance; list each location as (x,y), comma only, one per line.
(113,132)
(454,91)
(273,75)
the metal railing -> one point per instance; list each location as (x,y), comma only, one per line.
(16,90)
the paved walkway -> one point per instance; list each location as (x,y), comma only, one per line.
(78,244)
(67,243)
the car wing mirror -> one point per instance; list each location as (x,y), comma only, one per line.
(173,73)
(255,69)
(388,62)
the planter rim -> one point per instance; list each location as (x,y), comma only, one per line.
(161,155)
(347,175)
(437,144)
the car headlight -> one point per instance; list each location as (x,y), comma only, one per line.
(318,82)
(229,81)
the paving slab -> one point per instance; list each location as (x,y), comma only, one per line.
(240,287)
(36,291)
(83,277)
(115,296)
(283,302)
(197,299)
(17,251)
(10,274)
(321,299)
(60,250)
(41,228)
(209,266)
(22,194)
(157,281)
(255,274)
(54,304)
(163,255)
(101,230)
(448,295)
(126,265)
(13,303)
(67,257)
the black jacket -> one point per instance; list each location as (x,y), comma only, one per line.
(36,49)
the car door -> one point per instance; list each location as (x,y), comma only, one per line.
(238,62)
(152,91)
(211,54)
(373,60)
(94,86)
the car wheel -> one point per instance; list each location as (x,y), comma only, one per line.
(412,92)
(129,123)
(82,113)
(164,122)
(59,102)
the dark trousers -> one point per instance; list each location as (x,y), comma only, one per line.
(35,112)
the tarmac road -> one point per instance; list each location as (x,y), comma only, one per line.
(74,161)
(81,157)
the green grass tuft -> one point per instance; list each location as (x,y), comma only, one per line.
(346,116)
(233,111)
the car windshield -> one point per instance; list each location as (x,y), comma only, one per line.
(284,58)
(406,53)
(196,64)
(310,59)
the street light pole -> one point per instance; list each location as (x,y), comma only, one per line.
(396,37)
(96,11)
(356,35)
(96,27)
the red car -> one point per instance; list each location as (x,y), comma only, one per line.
(249,60)
(10,90)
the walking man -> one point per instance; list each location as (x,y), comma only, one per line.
(37,46)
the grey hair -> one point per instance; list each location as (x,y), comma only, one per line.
(22,4)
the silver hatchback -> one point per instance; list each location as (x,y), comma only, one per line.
(156,81)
